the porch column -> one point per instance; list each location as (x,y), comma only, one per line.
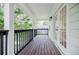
(9,25)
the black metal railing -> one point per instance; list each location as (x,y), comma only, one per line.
(35,32)
(41,31)
(3,41)
(21,39)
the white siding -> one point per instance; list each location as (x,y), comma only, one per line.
(73,46)
(72,29)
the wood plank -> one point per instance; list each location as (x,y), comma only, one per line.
(41,45)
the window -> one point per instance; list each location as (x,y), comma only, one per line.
(63,26)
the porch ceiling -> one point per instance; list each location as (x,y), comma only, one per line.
(40,10)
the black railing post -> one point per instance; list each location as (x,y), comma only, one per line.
(14,43)
(2,41)
(6,40)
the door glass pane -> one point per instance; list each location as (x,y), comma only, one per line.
(63,26)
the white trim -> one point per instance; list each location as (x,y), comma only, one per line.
(59,49)
(62,53)
(66,19)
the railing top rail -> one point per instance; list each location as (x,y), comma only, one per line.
(41,29)
(4,31)
(23,30)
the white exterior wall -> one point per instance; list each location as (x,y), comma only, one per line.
(72,29)
(73,41)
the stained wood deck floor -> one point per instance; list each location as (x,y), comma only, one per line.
(40,45)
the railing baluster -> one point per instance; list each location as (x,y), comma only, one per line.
(20,40)
(22,37)
(17,40)
(26,37)
(0,43)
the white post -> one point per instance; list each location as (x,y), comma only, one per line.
(9,25)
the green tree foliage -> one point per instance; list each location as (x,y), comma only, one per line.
(21,20)
(18,12)
(1,18)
